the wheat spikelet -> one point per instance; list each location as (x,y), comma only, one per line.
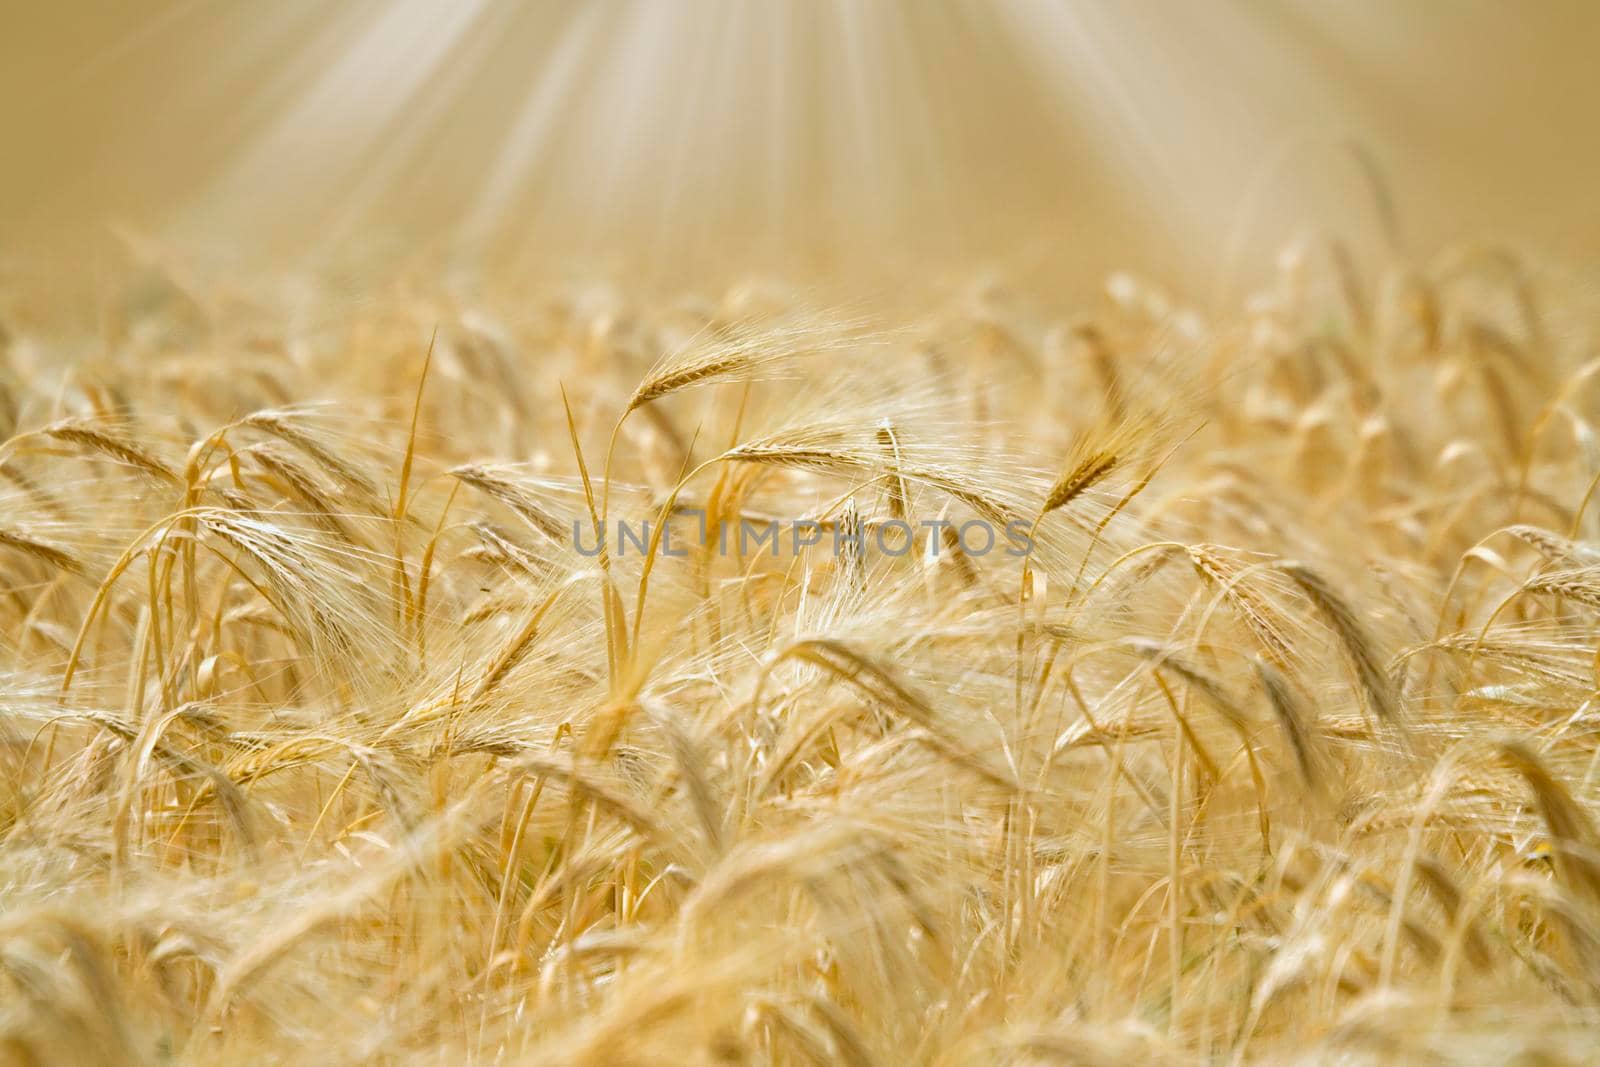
(1580,586)
(1079,479)
(56,557)
(1552,546)
(1298,726)
(1252,608)
(500,548)
(744,351)
(822,454)
(304,485)
(281,424)
(495,483)
(97,439)
(1358,644)
(852,554)
(671,379)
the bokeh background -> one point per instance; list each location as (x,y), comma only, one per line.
(804,138)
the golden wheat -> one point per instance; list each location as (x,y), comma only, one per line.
(313,755)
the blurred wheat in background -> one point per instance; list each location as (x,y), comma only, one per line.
(330,336)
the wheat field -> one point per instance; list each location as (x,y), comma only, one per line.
(330,739)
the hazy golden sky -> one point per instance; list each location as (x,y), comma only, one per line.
(1175,137)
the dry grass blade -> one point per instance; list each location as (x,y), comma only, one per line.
(898,496)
